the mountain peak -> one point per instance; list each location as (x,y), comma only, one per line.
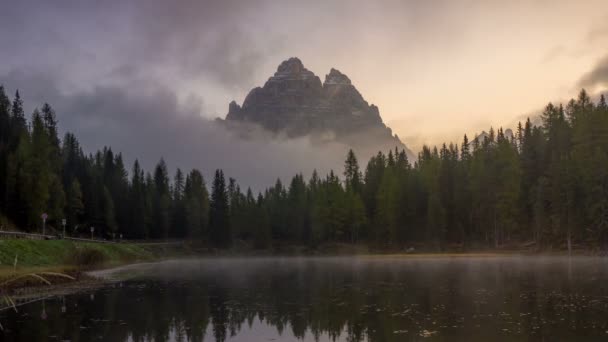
(292,65)
(336,77)
(294,103)
(292,69)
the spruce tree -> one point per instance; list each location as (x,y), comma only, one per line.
(18,124)
(219,220)
(74,204)
(178,209)
(137,200)
(110,228)
(40,172)
(5,108)
(352,173)
(196,199)
(162,198)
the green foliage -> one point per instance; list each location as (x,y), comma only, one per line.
(547,184)
(219,219)
(75,206)
(62,252)
(161,202)
(196,206)
(352,174)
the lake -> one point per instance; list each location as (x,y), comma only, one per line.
(369,298)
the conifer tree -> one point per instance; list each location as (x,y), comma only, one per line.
(110,227)
(5,132)
(219,221)
(18,124)
(37,164)
(161,201)
(137,199)
(548,184)
(178,207)
(352,173)
(75,205)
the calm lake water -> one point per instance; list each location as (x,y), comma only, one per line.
(332,299)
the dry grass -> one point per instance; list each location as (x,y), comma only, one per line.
(35,276)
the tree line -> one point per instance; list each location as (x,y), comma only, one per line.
(546,184)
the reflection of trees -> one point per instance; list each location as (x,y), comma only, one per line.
(374,304)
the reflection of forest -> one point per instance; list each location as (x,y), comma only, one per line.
(354,302)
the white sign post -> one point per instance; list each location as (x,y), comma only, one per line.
(44,216)
(63,223)
(92,230)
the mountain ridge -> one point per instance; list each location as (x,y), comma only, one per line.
(294,102)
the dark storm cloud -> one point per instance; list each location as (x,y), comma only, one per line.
(219,39)
(146,121)
(115,72)
(139,75)
(104,66)
(214,40)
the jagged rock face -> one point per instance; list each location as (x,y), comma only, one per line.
(295,102)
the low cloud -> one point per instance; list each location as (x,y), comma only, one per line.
(148,122)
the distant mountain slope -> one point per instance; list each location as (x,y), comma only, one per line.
(295,103)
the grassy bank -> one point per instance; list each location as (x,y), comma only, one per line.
(23,262)
(40,253)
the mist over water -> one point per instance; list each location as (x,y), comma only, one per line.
(332,299)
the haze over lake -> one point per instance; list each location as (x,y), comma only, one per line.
(369,298)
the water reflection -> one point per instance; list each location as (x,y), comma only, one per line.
(333,299)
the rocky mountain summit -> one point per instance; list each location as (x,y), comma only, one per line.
(295,103)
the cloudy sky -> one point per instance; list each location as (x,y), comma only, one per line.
(139,75)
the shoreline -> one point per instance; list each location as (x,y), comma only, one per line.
(99,277)
(86,278)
